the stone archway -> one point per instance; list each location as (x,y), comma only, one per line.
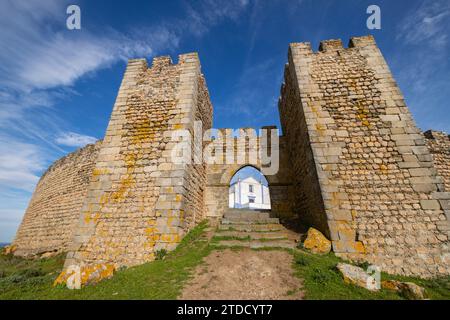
(249,189)
(218,182)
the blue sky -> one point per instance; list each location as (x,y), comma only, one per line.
(57,87)
(249,171)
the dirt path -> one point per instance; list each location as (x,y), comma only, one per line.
(244,274)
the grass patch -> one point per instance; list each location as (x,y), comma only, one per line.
(164,278)
(322,281)
(159,279)
(226,238)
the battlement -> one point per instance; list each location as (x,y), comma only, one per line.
(161,62)
(333,45)
(351,162)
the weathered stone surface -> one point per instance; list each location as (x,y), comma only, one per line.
(54,209)
(129,212)
(316,242)
(409,290)
(439,145)
(391,285)
(371,190)
(412,291)
(353,164)
(357,276)
(80,276)
(9,250)
(220,174)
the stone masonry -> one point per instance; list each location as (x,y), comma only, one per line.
(53,211)
(248,149)
(365,175)
(439,145)
(138,201)
(352,163)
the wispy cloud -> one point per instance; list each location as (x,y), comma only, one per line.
(19,163)
(42,62)
(423,61)
(73,139)
(428,23)
(37,60)
(203,15)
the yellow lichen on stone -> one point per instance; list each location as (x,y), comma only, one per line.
(142,133)
(359,247)
(150,230)
(362,115)
(99,171)
(390,285)
(316,242)
(170,238)
(320,129)
(9,249)
(88,274)
(125,185)
(61,279)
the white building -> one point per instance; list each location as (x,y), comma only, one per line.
(249,193)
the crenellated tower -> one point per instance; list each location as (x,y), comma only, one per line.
(363,173)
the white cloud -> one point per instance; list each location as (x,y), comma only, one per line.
(12,207)
(41,60)
(40,56)
(427,23)
(208,13)
(19,164)
(73,139)
(421,62)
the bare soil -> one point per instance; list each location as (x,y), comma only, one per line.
(244,274)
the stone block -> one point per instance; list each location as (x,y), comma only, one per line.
(430,204)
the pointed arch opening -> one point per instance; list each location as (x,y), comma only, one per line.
(249,189)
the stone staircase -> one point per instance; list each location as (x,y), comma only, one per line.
(252,229)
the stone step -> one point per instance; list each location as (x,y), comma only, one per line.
(256,244)
(266,227)
(279,235)
(250,221)
(247,215)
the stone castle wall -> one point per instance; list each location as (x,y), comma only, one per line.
(53,211)
(439,145)
(139,201)
(307,202)
(246,149)
(352,163)
(383,200)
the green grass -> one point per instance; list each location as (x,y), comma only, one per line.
(322,281)
(160,279)
(165,278)
(227,238)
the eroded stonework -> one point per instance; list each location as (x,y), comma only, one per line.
(354,139)
(352,164)
(52,214)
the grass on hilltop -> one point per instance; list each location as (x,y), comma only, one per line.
(160,279)
(165,278)
(322,281)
